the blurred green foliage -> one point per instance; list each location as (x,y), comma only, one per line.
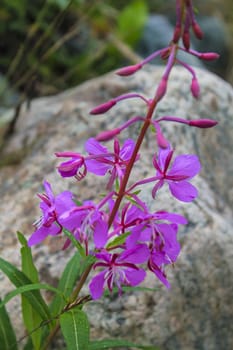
(50,45)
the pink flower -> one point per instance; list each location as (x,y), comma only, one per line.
(119,269)
(102,161)
(74,167)
(177,174)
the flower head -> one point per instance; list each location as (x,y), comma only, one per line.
(52,208)
(73,167)
(176,174)
(119,269)
(102,161)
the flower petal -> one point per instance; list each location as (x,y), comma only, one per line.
(100,233)
(186,165)
(172,217)
(127,149)
(94,147)
(137,255)
(135,277)
(96,285)
(40,234)
(97,167)
(183,190)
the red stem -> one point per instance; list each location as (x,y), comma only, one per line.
(121,192)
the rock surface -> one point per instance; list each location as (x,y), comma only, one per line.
(196,313)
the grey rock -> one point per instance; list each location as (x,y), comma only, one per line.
(196,313)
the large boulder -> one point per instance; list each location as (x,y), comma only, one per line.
(196,313)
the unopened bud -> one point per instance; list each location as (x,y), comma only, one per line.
(103,107)
(162,88)
(209,56)
(195,88)
(203,123)
(107,135)
(197,30)
(129,70)
(177,34)
(186,39)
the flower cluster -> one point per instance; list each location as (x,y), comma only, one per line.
(124,237)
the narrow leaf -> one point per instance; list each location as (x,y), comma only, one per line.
(28,288)
(31,319)
(19,279)
(66,284)
(7,334)
(118,240)
(75,329)
(74,241)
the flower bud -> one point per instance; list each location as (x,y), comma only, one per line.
(161,90)
(195,88)
(209,56)
(107,135)
(103,107)
(186,40)
(177,34)
(197,30)
(203,123)
(129,70)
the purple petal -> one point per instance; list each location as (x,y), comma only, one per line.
(69,168)
(40,234)
(100,233)
(64,202)
(136,255)
(172,217)
(162,277)
(97,167)
(96,285)
(156,187)
(183,191)
(94,147)
(127,149)
(48,190)
(135,277)
(185,165)
(133,237)
(165,154)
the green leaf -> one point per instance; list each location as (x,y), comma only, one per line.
(67,281)
(31,319)
(19,279)
(116,343)
(74,241)
(7,334)
(131,21)
(118,240)
(75,329)
(28,288)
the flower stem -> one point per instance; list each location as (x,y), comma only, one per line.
(129,168)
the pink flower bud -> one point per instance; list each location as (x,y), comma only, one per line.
(161,141)
(103,107)
(129,70)
(177,34)
(186,40)
(195,88)
(209,56)
(197,30)
(107,135)
(203,123)
(161,90)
